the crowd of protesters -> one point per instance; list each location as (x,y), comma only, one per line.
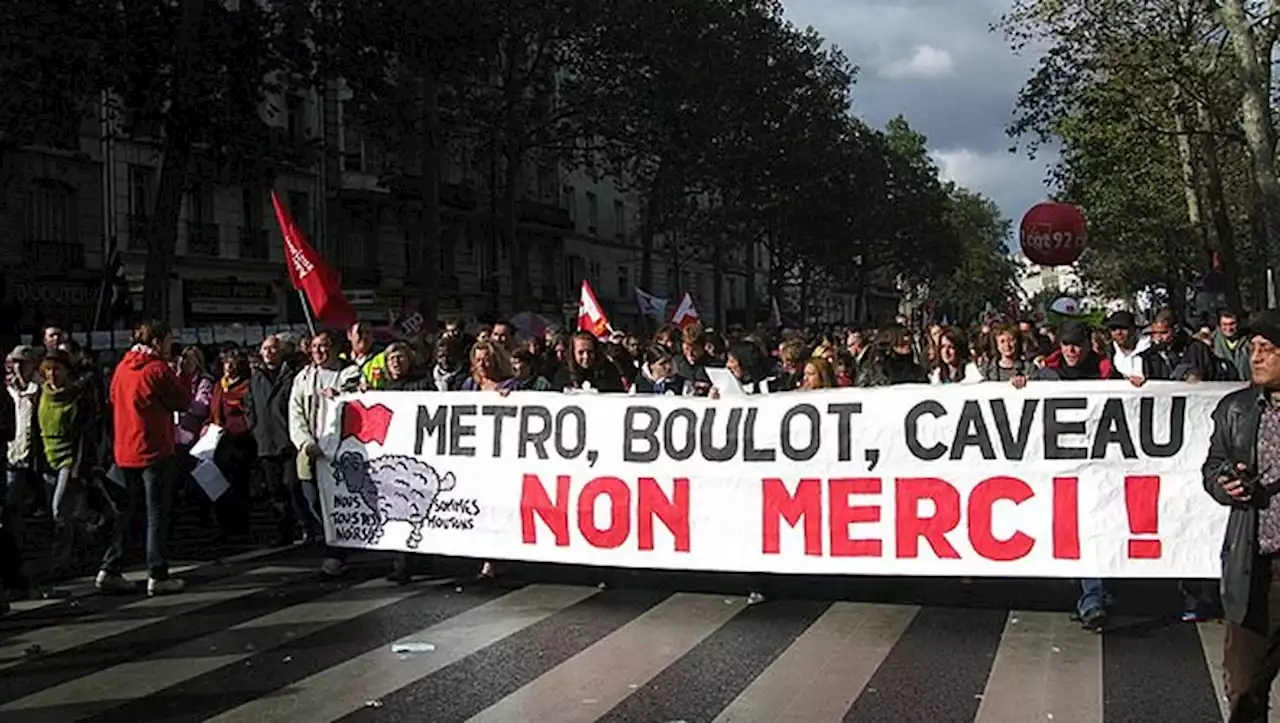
(87,443)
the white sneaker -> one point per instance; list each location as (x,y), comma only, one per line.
(332,567)
(113,584)
(167,586)
(755,598)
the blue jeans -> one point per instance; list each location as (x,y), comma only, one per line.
(11,513)
(1093,597)
(15,503)
(63,503)
(156,483)
(67,540)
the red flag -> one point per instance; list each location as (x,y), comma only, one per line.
(591,317)
(310,274)
(686,314)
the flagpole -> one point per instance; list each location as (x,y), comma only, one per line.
(306,311)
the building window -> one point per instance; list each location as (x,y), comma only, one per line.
(203,236)
(49,212)
(548,182)
(253,238)
(251,207)
(619,220)
(352,148)
(139,191)
(300,206)
(571,204)
(593,212)
(295,118)
(733,293)
(200,204)
(624,282)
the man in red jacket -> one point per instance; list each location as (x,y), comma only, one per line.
(145,394)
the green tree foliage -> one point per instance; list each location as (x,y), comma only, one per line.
(987,273)
(1143,98)
(53,69)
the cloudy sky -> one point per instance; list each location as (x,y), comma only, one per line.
(937,63)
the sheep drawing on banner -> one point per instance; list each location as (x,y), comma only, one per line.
(395,487)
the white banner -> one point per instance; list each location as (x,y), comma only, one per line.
(1067,479)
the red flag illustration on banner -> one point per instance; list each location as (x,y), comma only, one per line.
(686,314)
(310,274)
(367,424)
(591,318)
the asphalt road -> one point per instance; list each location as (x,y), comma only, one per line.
(260,638)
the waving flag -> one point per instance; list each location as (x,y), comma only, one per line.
(591,318)
(309,273)
(686,314)
(651,306)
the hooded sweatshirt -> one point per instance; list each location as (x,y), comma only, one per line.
(1129,363)
(145,393)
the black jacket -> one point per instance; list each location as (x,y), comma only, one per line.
(270,391)
(411,383)
(1185,356)
(1234,440)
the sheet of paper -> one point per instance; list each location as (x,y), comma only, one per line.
(210,478)
(726,382)
(207,444)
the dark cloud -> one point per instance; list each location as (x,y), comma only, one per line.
(937,63)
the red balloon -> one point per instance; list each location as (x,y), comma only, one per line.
(1053,234)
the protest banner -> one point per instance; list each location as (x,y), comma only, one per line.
(1078,479)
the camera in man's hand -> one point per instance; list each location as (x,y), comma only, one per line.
(1249,479)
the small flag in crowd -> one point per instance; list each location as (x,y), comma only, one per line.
(309,273)
(686,314)
(591,318)
(651,306)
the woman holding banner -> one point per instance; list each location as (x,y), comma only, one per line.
(658,375)
(1009,359)
(586,368)
(952,365)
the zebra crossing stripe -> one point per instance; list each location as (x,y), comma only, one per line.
(1046,668)
(341,689)
(589,684)
(820,675)
(522,658)
(106,688)
(136,615)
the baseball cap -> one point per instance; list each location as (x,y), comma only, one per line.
(1122,320)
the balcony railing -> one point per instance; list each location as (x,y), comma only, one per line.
(203,239)
(52,255)
(254,244)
